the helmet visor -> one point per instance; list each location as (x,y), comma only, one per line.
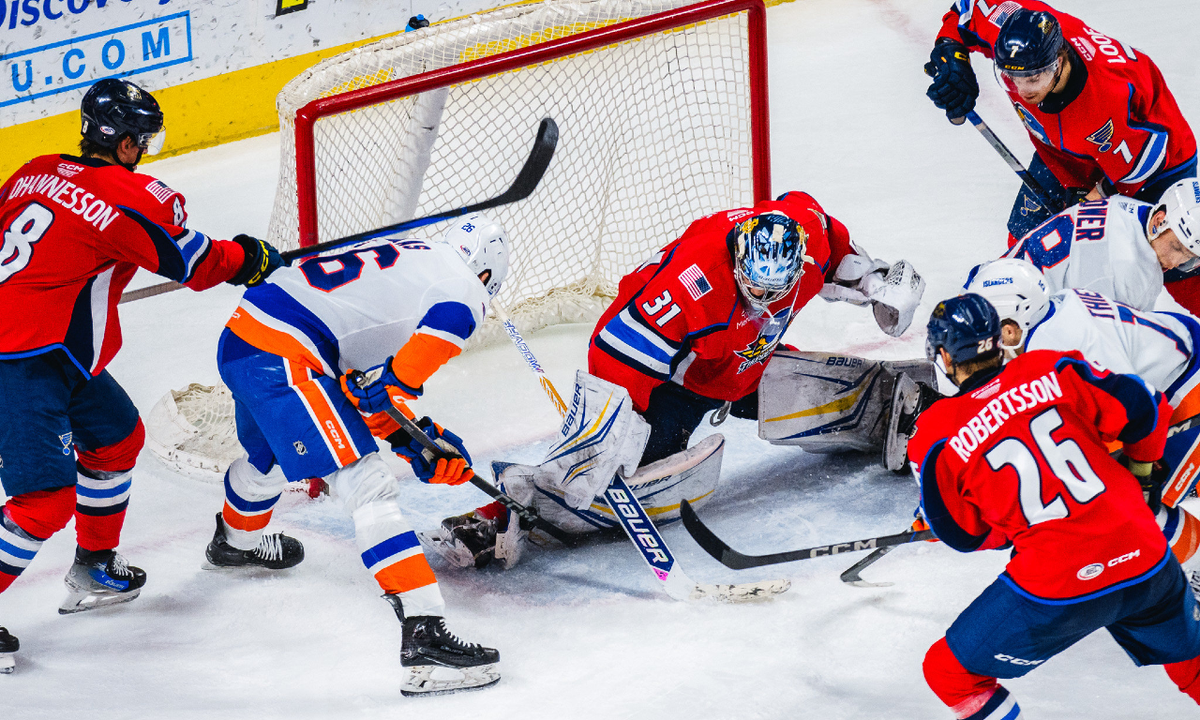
(1030,80)
(152,143)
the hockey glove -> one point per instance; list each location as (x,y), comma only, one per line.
(262,259)
(451,468)
(954,88)
(893,291)
(377,389)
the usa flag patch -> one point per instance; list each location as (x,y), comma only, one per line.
(693,279)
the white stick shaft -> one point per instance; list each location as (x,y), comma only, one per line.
(530,359)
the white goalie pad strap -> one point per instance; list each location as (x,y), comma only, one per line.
(600,436)
(692,474)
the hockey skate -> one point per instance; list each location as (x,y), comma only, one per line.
(274,552)
(98,579)
(909,399)
(9,646)
(438,663)
(472,540)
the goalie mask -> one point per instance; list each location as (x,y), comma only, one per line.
(483,245)
(1016,289)
(768,258)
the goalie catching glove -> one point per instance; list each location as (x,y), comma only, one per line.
(893,291)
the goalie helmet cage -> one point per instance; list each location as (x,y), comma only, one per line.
(662,114)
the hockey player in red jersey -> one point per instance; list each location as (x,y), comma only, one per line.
(1099,112)
(75,230)
(1018,458)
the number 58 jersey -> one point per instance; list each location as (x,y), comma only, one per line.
(354,307)
(1019,456)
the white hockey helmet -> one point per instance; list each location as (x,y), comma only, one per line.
(483,245)
(1181,202)
(1016,288)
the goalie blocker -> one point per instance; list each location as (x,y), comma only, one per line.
(826,403)
(601,437)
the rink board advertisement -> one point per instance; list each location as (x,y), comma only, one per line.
(214,65)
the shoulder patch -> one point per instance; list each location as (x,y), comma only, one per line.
(1001,13)
(1085,49)
(159,190)
(67,169)
(694,282)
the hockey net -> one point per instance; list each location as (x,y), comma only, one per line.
(662,117)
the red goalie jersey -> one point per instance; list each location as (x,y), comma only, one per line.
(1120,123)
(75,231)
(1018,456)
(680,315)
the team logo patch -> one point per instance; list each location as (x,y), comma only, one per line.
(1090,572)
(160,191)
(1103,136)
(1033,125)
(760,349)
(1030,206)
(66,441)
(693,279)
(300,449)
(69,169)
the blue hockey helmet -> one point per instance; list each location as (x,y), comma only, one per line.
(1028,43)
(768,257)
(966,326)
(114,108)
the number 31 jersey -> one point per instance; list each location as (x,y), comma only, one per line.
(354,307)
(1020,457)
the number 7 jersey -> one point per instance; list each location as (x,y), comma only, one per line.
(354,307)
(1020,457)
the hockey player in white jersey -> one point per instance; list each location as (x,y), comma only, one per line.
(399,309)
(1159,347)
(1119,247)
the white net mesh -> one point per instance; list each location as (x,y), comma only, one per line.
(654,133)
(192,431)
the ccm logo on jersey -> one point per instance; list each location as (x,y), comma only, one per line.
(1016,660)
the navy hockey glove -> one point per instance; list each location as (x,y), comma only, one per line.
(377,389)
(453,467)
(262,259)
(954,88)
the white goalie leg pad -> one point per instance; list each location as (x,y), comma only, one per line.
(691,475)
(600,436)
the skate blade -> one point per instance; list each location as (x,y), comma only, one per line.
(77,602)
(426,680)
(7,663)
(744,592)
(454,553)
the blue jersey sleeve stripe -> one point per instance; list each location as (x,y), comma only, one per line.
(1193,329)
(623,354)
(933,507)
(449,317)
(175,262)
(1140,403)
(273,301)
(1154,154)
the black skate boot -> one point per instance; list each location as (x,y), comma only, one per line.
(9,646)
(438,663)
(100,578)
(465,540)
(274,552)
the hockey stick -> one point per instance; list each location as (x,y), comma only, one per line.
(637,524)
(729,557)
(851,575)
(527,181)
(1047,199)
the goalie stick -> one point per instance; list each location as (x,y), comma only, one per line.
(731,558)
(526,182)
(637,524)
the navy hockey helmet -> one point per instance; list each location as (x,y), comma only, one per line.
(768,257)
(966,326)
(1028,43)
(115,108)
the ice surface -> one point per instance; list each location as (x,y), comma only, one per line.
(585,634)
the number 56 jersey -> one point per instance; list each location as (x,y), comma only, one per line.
(1019,456)
(354,307)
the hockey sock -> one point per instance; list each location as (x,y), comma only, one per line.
(392,553)
(25,522)
(996,704)
(101,500)
(1186,675)
(1182,530)
(492,511)
(250,498)
(963,691)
